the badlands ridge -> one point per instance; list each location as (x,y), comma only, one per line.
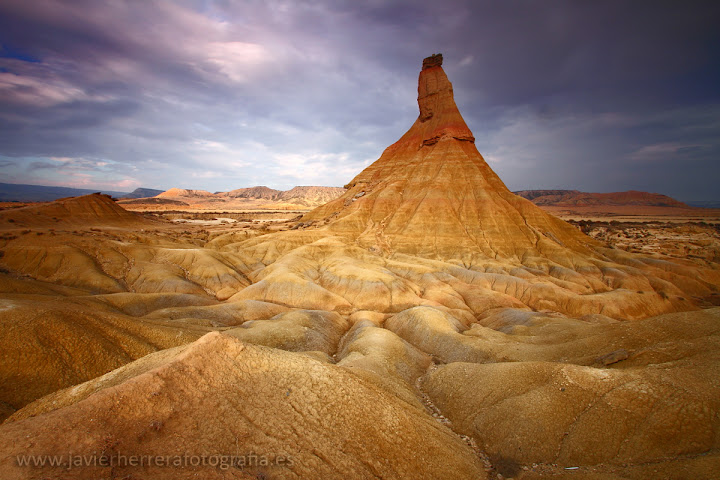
(253,198)
(427,323)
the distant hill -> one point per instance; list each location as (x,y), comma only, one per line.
(575,198)
(151,201)
(251,198)
(143,193)
(93,209)
(533,194)
(311,196)
(15,192)
(262,192)
(574,203)
(704,204)
(184,192)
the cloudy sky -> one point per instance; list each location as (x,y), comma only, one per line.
(597,95)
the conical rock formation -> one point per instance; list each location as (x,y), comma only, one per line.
(431,193)
(432,197)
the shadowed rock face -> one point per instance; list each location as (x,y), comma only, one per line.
(426,324)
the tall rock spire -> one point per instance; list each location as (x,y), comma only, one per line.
(431,193)
(439,116)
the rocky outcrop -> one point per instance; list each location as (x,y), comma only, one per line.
(434,60)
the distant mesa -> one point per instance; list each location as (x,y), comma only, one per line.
(142,193)
(183,192)
(577,198)
(260,192)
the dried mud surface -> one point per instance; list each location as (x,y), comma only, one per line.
(499,386)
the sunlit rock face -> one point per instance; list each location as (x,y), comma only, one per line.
(428,323)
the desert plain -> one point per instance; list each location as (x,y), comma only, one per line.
(423,322)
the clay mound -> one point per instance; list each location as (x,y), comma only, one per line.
(102,262)
(648,408)
(50,343)
(297,331)
(89,210)
(583,416)
(432,194)
(289,409)
(637,404)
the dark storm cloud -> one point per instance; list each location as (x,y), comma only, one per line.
(220,94)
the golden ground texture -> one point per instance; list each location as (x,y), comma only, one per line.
(427,323)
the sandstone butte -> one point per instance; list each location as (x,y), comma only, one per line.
(428,324)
